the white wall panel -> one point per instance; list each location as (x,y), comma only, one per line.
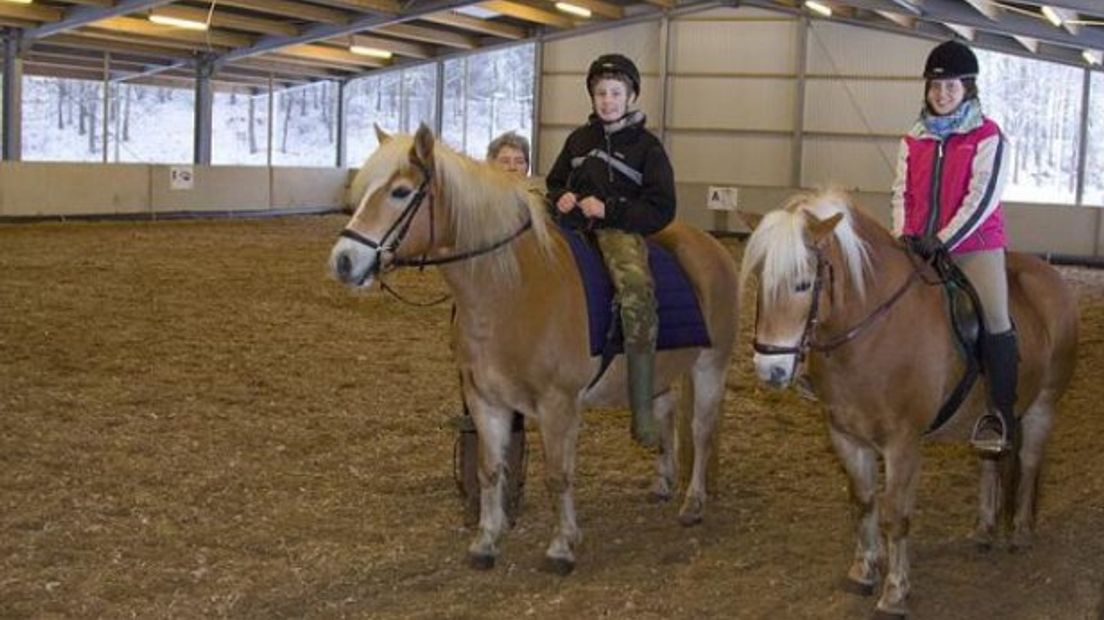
(862,106)
(638,41)
(733,47)
(737,159)
(863,163)
(839,49)
(731,103)
(551,141)
(564,99)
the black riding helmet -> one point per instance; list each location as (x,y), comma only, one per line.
(614,64)
(951,60)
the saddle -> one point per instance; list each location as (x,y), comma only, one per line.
(681,323)
(967,323)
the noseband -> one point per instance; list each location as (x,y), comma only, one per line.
(807,341)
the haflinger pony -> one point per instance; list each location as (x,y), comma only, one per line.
(843,307)
(520,333)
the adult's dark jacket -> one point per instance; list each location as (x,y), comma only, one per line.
(645,208)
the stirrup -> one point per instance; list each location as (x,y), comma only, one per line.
(991,435)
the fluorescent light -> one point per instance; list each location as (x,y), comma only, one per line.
(818,7)
(1052,16)
(374,52)
(476,11)
(177,22)
(18,1)
(573,9)
(1093,57)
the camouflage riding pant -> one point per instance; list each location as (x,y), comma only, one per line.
(626,257)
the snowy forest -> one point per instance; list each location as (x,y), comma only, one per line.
(485,94)
(1037,104)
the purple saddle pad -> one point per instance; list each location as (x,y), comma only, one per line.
(680,319)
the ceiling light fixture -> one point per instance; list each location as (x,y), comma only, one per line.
(1093,57)
(1052,16)
(18,1)
(374,52)
(818,7)
(177,22)
(573,9)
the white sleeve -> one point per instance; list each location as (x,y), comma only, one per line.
(988,175)
(897,200)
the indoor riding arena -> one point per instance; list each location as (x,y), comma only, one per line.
(197,419)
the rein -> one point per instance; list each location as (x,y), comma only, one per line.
(807,342)
(398,230)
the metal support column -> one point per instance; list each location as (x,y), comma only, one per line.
(664,75)
(534,122)
(342,156)
(797,145)
(204,100)
(12,99)
(439,101)
(105,115)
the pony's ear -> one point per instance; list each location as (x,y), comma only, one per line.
(423,146)
(751,220)
(381,136)
(819,229)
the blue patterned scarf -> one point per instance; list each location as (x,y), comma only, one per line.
(943,126)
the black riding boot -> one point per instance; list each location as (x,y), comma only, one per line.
(995,432)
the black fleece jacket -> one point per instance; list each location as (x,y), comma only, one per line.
(643,209)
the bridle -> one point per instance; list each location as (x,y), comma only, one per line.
(389,244)
(807,341)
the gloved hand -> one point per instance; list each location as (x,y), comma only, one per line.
(925,247)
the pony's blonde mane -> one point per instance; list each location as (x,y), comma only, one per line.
(485,204)
(778,251)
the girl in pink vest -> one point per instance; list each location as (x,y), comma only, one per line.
(951,169)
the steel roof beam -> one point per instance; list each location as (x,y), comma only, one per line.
(85,15)
(320,32)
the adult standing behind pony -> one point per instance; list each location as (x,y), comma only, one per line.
(509,152)
(951,170)
(613,176)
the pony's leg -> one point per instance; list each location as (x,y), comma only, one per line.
(1034,431)
(664,407)
(902,466)
(559,429)
(493,426)
(707,385)
(989,502)
(860,462)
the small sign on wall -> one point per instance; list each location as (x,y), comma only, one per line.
(722,198)
(181,177)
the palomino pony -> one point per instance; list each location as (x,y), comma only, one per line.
(521,325)
(844,301)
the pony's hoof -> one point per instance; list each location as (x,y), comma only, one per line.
(689,519)
(881,614)
(857,587)
(1021,542)
(559,566)
(658,497)
(480,561)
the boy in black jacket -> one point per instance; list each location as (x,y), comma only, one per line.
(614,177)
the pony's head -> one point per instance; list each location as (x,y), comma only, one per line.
(796,253)
(416,197)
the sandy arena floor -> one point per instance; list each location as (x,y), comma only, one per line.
(195,421)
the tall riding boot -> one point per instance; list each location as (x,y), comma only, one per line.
(641,369)
(996,432)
